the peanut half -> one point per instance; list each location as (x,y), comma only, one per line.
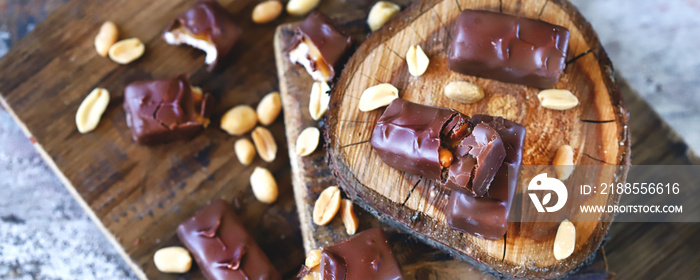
(464,92)
(269,108)
(266,11)
(565,241)
(245,151)
(264,185)
(301,7)
(380,13)
(106,37)
(264,143)
(326,206)
(557,99)
(126,51)
(378,96)
(172,260)
(347,214)
(239,120)
(417,61)
(313,258)
(318,100)
(307,141)
(564,162)
(91,110)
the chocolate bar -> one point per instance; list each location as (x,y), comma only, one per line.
(367,255)
(164,110)
(487,216)
(440,144)
(222,247)
(508,48)
(320,46)
(206,26)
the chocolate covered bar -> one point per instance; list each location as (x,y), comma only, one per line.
(320,46)
(206,26)
(164,110)
(487,216)
(508,48)
(440,144)
(222,247)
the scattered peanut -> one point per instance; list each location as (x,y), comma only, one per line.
(269,108)
(417,61)
(378,96)
(307,141)
(347,214)
(172,260)
(264,186)
(245,151)
(557,99)
(313,258)
(266,11)
(380,13)
(91,110)
(565,241)
(564,162)
(239,120)
(264,143)
(326,206)
(318,100)
(126,51)
(106,37)
(464,92)
(301,7)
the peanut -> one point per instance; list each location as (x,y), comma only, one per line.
(126,51)
(557,99)
(264,143)
(464,92)
(564,162)
(565,241)
(91,110)
(245,151)
(445,157)
(380,13)
(269,108)
(318,100)
(239,120)
(378,96)
(307,141)
(106,37)
(264,186)
(313,258)
(301,7)
(266,11)
(348,216)
(172,260)
(314,274)
(326,206)
(417,61)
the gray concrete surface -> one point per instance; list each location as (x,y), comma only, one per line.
(44,234)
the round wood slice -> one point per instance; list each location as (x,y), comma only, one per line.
(597,129)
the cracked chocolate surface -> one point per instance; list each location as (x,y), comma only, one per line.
(367,255)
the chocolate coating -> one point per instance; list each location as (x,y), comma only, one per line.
(408,135)
(367,255)
(329,39)
(208,19)
(222,247)
(508,48)
(487,216)
(164,110)
(477,159)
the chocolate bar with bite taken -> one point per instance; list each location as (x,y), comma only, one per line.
(320,46)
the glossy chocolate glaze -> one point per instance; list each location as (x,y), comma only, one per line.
(477,159)
(367,255)
(164,110)
(508,48)
(222,247)
(487,216)
(329,39)
(208,19)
